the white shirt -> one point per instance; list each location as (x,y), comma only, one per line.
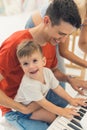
(33,90)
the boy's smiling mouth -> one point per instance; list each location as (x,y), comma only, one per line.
(33,72)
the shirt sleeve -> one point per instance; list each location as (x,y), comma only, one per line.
(52,79)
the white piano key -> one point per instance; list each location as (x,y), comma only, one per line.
(57,125)
(64,124)
(66,121)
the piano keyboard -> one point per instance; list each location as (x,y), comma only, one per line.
(62,123)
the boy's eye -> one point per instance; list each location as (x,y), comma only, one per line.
(35,60)
(25,63)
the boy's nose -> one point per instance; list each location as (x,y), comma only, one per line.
(31,65)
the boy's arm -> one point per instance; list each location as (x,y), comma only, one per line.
(73,101)
(66,112)
(62,93)
(50,106)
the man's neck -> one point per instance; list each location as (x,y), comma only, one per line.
(38,35)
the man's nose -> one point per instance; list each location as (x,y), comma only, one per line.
(64,38)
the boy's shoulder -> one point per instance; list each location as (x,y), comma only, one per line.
(47,70)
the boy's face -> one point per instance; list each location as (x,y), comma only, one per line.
(33,65)
(58,33)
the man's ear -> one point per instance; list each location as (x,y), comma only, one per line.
(44,61)
(46,20)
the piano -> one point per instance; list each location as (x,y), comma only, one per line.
(62,123)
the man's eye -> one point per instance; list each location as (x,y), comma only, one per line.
(62,34)
(34,60)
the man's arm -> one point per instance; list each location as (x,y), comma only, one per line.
(10,103)
(59,75)
(77,84)
(1,77)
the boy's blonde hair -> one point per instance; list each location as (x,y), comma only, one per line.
(27,48)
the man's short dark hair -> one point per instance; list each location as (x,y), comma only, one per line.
(65,10)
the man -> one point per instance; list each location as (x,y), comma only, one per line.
(61,19)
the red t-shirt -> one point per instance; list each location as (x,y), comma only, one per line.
(9,64)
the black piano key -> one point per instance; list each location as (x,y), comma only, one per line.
(73,126)
(85,107)
(81,110)
(81,114)
(76,123)
(78,117)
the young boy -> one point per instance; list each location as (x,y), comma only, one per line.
(61,19)
(35,85)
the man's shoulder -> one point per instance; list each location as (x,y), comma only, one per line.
(22,32)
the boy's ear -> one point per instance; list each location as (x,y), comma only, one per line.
(44,61)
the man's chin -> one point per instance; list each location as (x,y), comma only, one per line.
(54,43)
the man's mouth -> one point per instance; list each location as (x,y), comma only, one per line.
(55,41)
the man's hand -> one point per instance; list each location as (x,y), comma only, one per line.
(77,84)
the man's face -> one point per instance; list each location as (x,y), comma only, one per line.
(58,33)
